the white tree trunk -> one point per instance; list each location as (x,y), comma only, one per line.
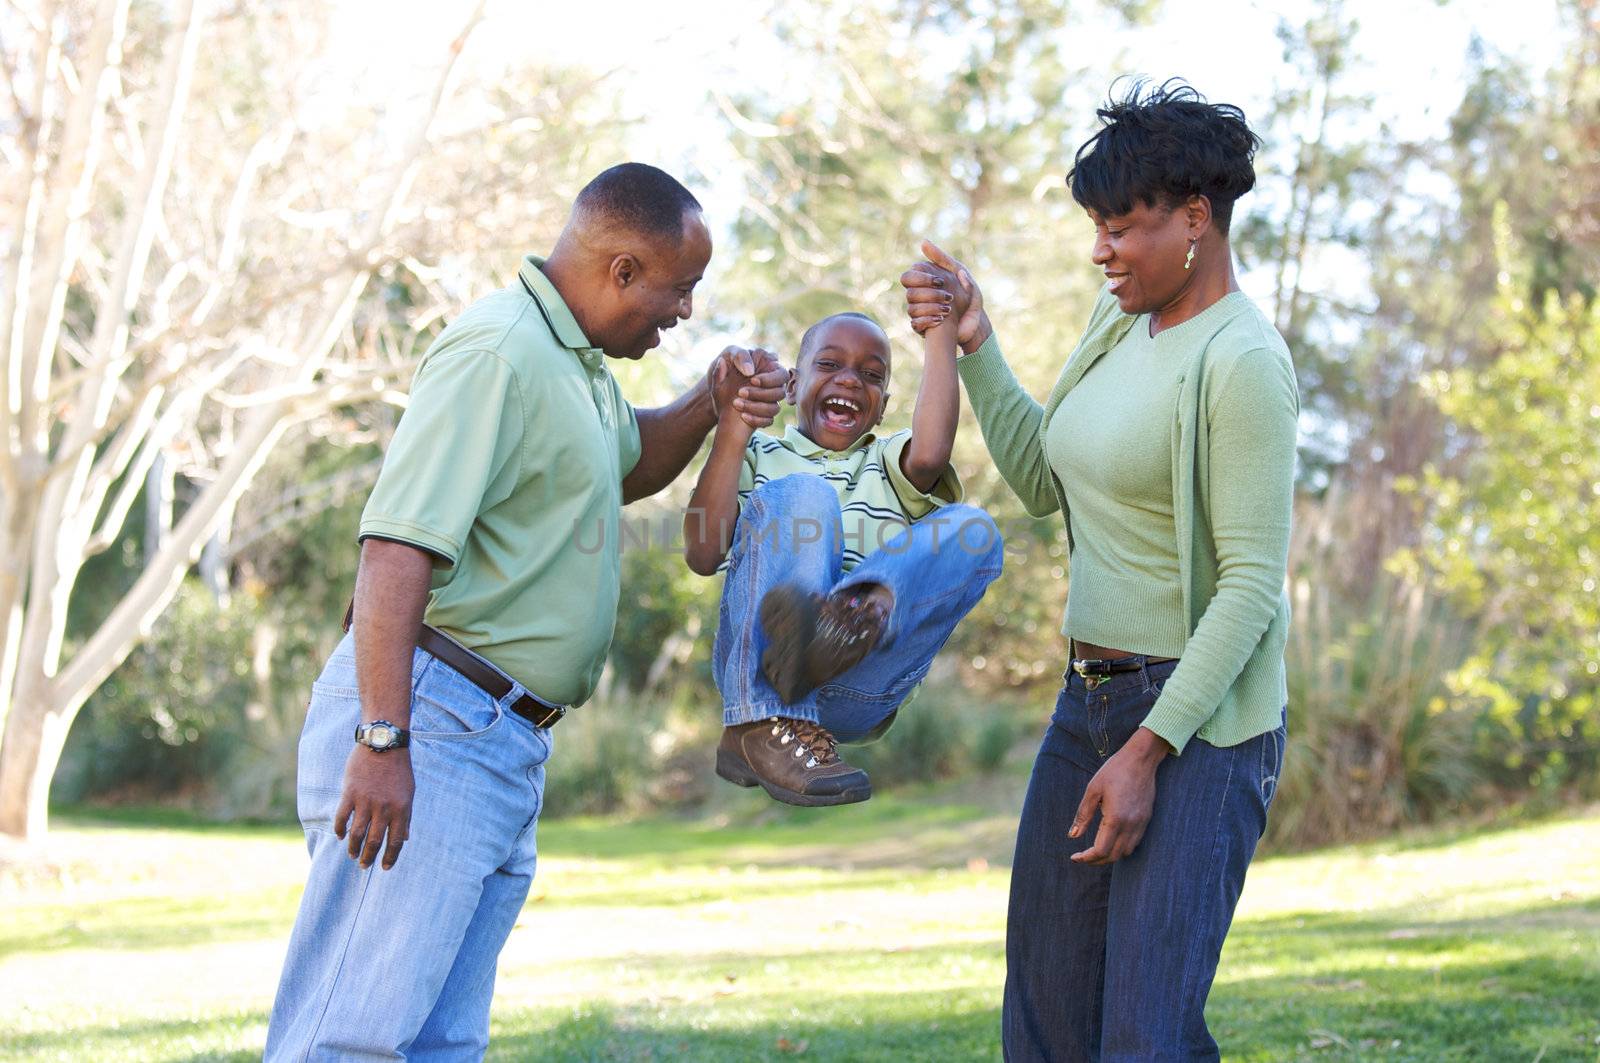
(86,422)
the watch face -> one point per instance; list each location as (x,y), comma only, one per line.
(381,737)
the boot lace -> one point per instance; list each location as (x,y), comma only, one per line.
(811,741)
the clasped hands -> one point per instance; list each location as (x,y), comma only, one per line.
(746,384)
(751,380)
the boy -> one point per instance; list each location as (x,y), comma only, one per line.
(853,561)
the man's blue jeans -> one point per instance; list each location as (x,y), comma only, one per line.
(1115,962)
(790,532)
(400,964)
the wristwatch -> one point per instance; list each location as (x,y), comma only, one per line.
(380,736)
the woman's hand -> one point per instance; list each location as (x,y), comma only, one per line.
(1124,790)
(942,286)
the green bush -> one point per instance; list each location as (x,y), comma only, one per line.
(172,719)
(946,731)
(1514,533)
(1376,738)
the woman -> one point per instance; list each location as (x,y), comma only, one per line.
(1168,445)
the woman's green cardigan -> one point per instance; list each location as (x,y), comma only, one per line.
(1233,462)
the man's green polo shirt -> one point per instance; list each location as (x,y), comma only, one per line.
(507,466)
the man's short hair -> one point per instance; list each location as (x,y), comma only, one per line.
(640,198)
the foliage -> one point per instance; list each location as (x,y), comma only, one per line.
(1419,686)
(946,732)
(209,250)
(1516,534)
(169,719)
(1327,176)
(1376,739)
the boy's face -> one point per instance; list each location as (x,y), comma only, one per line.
(842,382)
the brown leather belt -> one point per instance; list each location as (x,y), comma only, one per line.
(483,675)
(486,677)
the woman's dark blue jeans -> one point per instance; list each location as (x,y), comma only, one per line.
(1115,962)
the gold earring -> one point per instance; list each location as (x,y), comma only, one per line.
(1189,261)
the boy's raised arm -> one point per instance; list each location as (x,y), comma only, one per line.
(714,506)
(933,424)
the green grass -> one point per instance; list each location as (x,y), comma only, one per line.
(865,933)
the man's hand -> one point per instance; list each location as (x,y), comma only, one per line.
(749,383)
(942,286)
(1124,790)
(378,788)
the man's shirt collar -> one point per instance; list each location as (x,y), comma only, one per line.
(556,312)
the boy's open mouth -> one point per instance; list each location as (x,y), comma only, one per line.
(841,414)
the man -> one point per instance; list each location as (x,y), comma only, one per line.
(515,437)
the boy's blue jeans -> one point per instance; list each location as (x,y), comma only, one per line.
(1115,962)
(400,964)
(790,532)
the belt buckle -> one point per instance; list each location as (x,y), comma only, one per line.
(553,714)
(1091,680)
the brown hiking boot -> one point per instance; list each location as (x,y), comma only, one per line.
(796,762)
(812,639)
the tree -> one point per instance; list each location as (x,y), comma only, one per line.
(141,320)
(199,256)
(1516,535)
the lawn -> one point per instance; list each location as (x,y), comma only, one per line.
(865,933)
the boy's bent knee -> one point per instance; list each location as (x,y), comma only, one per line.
(973,532)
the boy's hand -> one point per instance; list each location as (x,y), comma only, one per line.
(940,287)
(747,387)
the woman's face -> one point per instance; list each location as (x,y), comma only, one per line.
(1142,253)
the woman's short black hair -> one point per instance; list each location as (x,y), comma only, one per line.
(1163,145)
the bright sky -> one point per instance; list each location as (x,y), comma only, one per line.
(666,58)
(670,55)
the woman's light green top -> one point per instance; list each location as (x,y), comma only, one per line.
(1232,451)
(1110,446)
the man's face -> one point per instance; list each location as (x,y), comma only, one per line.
(657,290)
(840,386)
(1142,253)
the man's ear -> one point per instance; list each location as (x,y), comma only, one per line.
(790,386)
(625,270)
(883,409)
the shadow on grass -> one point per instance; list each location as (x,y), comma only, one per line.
(1401,928)
(156,817)
(178,1038)
(750,822)
(1520,985)
(931,1031)
(878,971)
(1531,1008)
(736,887)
